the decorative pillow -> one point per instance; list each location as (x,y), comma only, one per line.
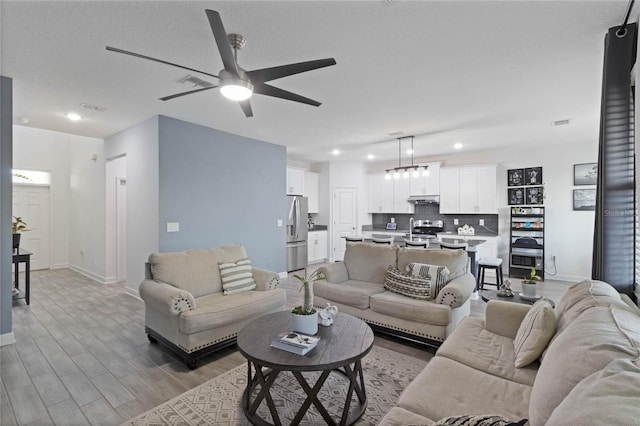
(425,270)
(479,420)
(236,277)
(414,287)
(535,332)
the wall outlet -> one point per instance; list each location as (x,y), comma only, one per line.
(456,222)
(280,223)
(173,226)
(481,222)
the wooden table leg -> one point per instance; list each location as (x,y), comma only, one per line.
(27,279)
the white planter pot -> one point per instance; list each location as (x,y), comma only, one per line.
(529,290)
(305,324)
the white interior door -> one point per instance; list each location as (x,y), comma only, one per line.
(345,218)
(31,202)
(121,228)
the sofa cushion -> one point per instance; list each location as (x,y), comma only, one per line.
(474,346)
(478,420)
(194,270)
(439,275)
(217,310)
(582,296)
(351,292)
(594,339)
(399,306)
(536,330)
(607,397)
(398,416)
(407,285)
(447,388)
(236,276)
(456,261)
(369,262)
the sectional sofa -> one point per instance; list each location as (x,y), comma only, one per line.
(589,373)
(357,287)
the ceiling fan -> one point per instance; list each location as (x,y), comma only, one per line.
(235,83)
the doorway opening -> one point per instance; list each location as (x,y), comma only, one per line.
(116,220)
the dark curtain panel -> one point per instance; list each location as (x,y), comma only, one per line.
(614,235)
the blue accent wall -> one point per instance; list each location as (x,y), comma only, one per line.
(222,189)
(6,201)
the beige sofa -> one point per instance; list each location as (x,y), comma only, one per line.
(186,309)
(356,286)
(589,373)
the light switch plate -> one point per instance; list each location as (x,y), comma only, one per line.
(481,222)
(280,223)
(456,222)
(173,226)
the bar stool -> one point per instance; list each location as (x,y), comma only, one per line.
(416,244)
(453,246)
(382,240)
(354,239)
(489,263)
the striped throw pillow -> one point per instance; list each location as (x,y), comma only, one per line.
(441,274)
(236,277)
(414,287)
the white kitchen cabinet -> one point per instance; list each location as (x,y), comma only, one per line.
(295,181)
(427,185)
(317,250)
(311,180)
(401,192)
(380,194)
(469,190)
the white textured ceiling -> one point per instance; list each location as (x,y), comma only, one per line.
(486,74)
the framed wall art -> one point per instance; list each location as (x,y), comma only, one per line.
(515,177)
(516,196)
(533,176)
(584,199)
(585,174)
(533,195)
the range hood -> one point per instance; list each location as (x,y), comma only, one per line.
(424,199)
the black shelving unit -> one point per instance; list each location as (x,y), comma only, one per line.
(526,245)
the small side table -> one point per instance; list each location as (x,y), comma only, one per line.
(22,256)
(487,295)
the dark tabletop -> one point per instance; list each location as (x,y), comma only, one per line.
(493,295)
(344,342)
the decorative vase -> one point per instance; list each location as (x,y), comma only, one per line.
(16,241)
(529,290)
(305,324)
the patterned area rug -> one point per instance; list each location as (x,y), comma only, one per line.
(218,401)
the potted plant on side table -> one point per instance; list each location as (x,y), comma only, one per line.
(529,284)
(305,317)
(17,226)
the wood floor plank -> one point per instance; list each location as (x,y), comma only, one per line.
(36,364)
(81,388)
(67,412)
(72,346)
(99,412)
(51,389)
(7,418)
(89,365)
(116,365)
(143,389)
(62,363)
(112,389)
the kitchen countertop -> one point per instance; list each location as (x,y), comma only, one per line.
(318,228)
(433,242)
(477,234)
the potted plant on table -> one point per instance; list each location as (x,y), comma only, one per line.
(305,316)
(17,226)
(529,284)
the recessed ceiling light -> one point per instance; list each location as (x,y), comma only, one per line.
(458,145)
(409,151)
(336,152)
(371,156)
(73,116)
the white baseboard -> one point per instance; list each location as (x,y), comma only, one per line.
(60,266)
(7,339)
(89,274)
(111,280)
(131,292)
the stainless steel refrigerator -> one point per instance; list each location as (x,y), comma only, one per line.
(297,211)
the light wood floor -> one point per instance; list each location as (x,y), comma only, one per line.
(81,355)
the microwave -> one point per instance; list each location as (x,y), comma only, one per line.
(528,261)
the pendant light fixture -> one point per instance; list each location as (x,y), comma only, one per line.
(414,170)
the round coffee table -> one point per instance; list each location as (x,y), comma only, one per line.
(341,348)
(516,298)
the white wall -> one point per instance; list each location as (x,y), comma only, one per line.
(140,145)
(87,207)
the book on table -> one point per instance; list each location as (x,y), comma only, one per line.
(296,343)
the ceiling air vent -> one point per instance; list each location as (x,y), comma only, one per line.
(194,81)
(561,122)
(95,108)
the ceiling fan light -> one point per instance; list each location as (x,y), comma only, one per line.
(236,89)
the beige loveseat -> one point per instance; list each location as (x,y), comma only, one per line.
(589,373)
(186,309)
(356,286)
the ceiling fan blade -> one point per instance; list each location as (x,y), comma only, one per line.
(224,47)
(138,55)
(177,95)
(265,89)
(268,74)
(246,107)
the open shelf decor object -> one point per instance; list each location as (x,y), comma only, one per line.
(584,199)
(533,176)
(525,186)
(526,245)
(585,174)
(515,177)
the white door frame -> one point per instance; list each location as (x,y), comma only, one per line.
(336,232)
(47,220)
(121,228)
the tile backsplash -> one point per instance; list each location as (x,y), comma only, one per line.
(432,212)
